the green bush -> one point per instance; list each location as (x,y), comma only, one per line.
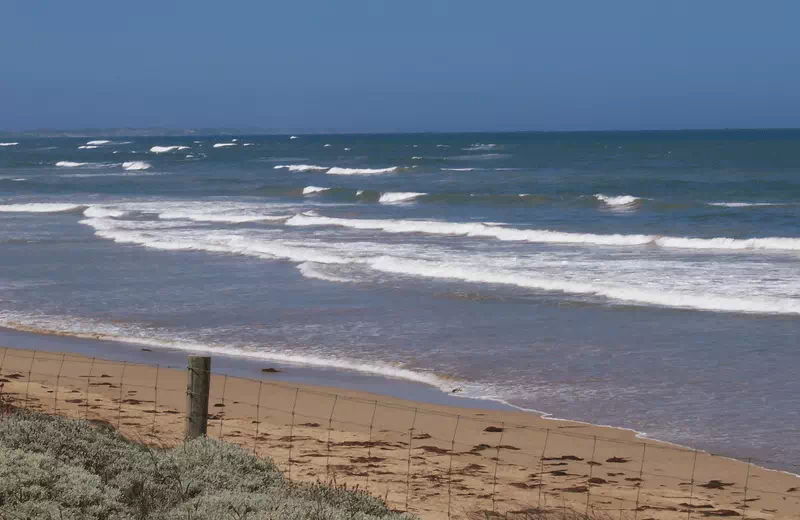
(54,468)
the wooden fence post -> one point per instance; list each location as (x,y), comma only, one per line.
(197,394)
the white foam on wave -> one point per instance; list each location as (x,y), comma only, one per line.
(326,145)
(70,164)
(165,149)
(300,167)
(745,204)
(308,190)
(40,207)
(223,145)
(102,212)
(360,171)
(458,169)
(292,137)
(317,271)
(9,144)
(416,158)
(214,242)
(265,245)
(359,193)
(674,299)
(480,147)
(477,157)
(393,197)
(136,165)
(142,336)
(98,142)
(621,200)
(222,217)
(737,244)
(247,144)
(87,147)
(482,230)
(95,175)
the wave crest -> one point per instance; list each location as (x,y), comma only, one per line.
(620,200)
(165,149)
(300,167)
(70,164)
(480,147)
(40,207)
(393,197)
(661,298)
(745,204)
(483,230)
(308,190)
(136,165)
(361,171)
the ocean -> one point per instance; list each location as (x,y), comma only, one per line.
(647,280)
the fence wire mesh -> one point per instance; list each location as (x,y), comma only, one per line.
(431,462)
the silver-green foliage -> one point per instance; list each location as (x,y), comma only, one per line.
(54,468)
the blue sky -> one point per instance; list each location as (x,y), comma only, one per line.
(378,66)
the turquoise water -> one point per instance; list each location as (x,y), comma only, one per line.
(647,280)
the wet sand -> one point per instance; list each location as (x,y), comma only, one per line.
(435,460)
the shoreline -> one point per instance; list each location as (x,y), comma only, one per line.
(242,365)
(413,453)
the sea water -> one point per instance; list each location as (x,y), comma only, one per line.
(649,280)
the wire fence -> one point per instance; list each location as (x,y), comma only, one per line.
(428,461)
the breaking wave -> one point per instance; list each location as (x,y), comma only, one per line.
(398,196)
(361,171)
(483,230)
(661,298)
(309,254)
(40,207)
(745,204)
(135,335)
(480,147)
(70,164)
(164,149)
(9,144)
(136,165)
(316,271)
(101,212)
(621,200)
(97,142)
(308,190)
(223,217)
(300,167)
(223,145)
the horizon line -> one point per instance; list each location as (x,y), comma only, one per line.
(210,131)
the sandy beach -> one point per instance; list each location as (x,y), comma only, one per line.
(434,460)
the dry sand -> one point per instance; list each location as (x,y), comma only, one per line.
(435,461)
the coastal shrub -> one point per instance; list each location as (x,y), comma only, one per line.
(37,486)
(55,468)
